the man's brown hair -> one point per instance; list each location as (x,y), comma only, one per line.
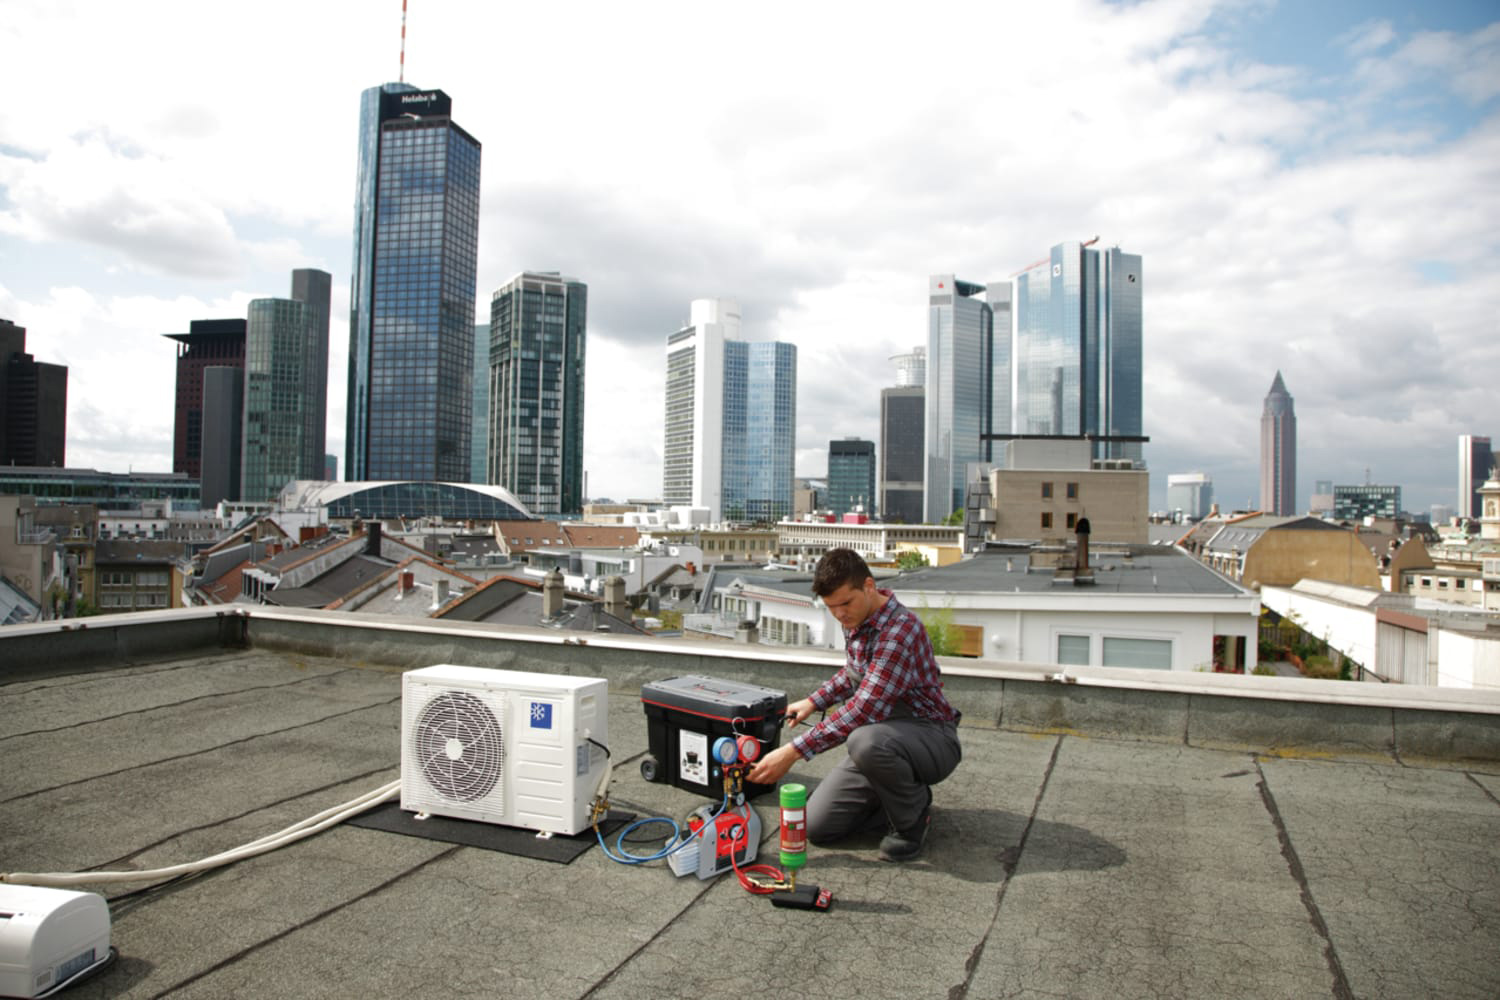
(838,567)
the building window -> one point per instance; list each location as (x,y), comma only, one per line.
(1155,654)
(1073,650)
(1046,519)
(1072,491)
(1046,491)
(1072,521)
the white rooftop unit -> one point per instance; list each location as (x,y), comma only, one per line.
(503,746)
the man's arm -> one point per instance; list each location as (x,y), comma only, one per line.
(773,766)
(887,676)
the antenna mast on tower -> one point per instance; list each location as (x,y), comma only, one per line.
(402,77)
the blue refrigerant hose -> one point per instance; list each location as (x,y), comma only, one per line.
(674,844)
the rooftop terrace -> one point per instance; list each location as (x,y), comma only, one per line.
(1126,834)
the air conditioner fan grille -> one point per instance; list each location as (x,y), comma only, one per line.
(459,746)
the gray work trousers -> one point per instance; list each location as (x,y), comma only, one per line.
(886,777)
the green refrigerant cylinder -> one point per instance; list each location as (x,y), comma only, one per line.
(793,826)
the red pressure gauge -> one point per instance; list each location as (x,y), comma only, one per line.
(749,749)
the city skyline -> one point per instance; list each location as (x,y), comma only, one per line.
(1315,190)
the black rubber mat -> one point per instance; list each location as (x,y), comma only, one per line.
(391,818)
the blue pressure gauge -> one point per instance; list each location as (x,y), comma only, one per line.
(725,751)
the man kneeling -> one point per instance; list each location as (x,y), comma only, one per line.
(901,732)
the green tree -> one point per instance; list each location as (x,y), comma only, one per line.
(910,560)
(954,519)
(940,630)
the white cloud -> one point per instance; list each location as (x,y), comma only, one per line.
(91,191)
(1371,36)
(1466,64)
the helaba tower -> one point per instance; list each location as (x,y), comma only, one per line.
(412,289)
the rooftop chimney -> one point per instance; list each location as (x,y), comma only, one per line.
(614,598)
(552,594)
(372,539)
(439,593)
(1082,575)
(406,582)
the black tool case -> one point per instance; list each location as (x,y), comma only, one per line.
(685,715)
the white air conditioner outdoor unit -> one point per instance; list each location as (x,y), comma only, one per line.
(503,746)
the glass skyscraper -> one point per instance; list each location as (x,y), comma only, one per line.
(960,356)
(411,311)
(851,476)
(1075,360)
(902,415)
(731,416)
(314,289)
(760,424)
(480,435)
(535,367)
(286,355)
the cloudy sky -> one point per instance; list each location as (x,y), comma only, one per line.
(1314,188)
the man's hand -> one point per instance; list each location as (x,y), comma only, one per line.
(770,768)
(798,711)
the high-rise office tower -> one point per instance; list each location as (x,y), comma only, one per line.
(223,434)
(693,449)
(997,295)
(209,343)
(286,349)
(535,366)
(1475,460)
(1192,493)
(731,417)
(1278,452)
(313,288)
(960,344)
(33,404)
(851,476)
(480,435)
(411,299)
(902,415)
(1075,357)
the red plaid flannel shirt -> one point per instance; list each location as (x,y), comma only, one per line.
(888,660)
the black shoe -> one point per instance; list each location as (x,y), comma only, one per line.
(906,845)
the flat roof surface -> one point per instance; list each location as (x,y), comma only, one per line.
(1146,570)
(1057,865)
